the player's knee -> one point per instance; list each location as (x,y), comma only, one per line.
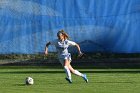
(73,71)
(66,67)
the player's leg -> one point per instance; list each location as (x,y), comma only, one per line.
(76,72)
(67,71)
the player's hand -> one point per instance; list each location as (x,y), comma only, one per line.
(80,55)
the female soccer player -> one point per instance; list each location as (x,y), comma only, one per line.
(62,44)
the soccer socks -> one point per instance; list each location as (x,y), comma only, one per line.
(76,72)
(67,72)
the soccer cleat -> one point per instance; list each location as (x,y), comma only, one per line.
(85,78)
(69,80)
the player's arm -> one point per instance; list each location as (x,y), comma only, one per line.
(78,47)
(79,50)
(46,47)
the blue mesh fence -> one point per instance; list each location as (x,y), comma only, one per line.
(97,25)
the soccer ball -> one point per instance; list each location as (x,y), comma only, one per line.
(29,81)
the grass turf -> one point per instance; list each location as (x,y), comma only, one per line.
(48,80)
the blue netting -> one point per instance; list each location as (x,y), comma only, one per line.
(97,25)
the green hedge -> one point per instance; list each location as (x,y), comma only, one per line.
(74,56)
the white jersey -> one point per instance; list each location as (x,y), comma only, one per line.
(62,47)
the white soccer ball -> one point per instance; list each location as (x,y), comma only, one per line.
(29,81)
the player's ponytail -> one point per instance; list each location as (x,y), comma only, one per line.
(66,36)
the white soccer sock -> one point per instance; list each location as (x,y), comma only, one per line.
(76,72)
(67,72)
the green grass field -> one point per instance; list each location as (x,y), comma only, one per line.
(51,80)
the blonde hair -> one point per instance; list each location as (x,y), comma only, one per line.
(66,36)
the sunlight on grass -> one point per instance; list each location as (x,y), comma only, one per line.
(52,81)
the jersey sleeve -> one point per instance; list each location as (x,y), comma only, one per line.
(71,43)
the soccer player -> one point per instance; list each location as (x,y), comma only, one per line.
(62,44)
